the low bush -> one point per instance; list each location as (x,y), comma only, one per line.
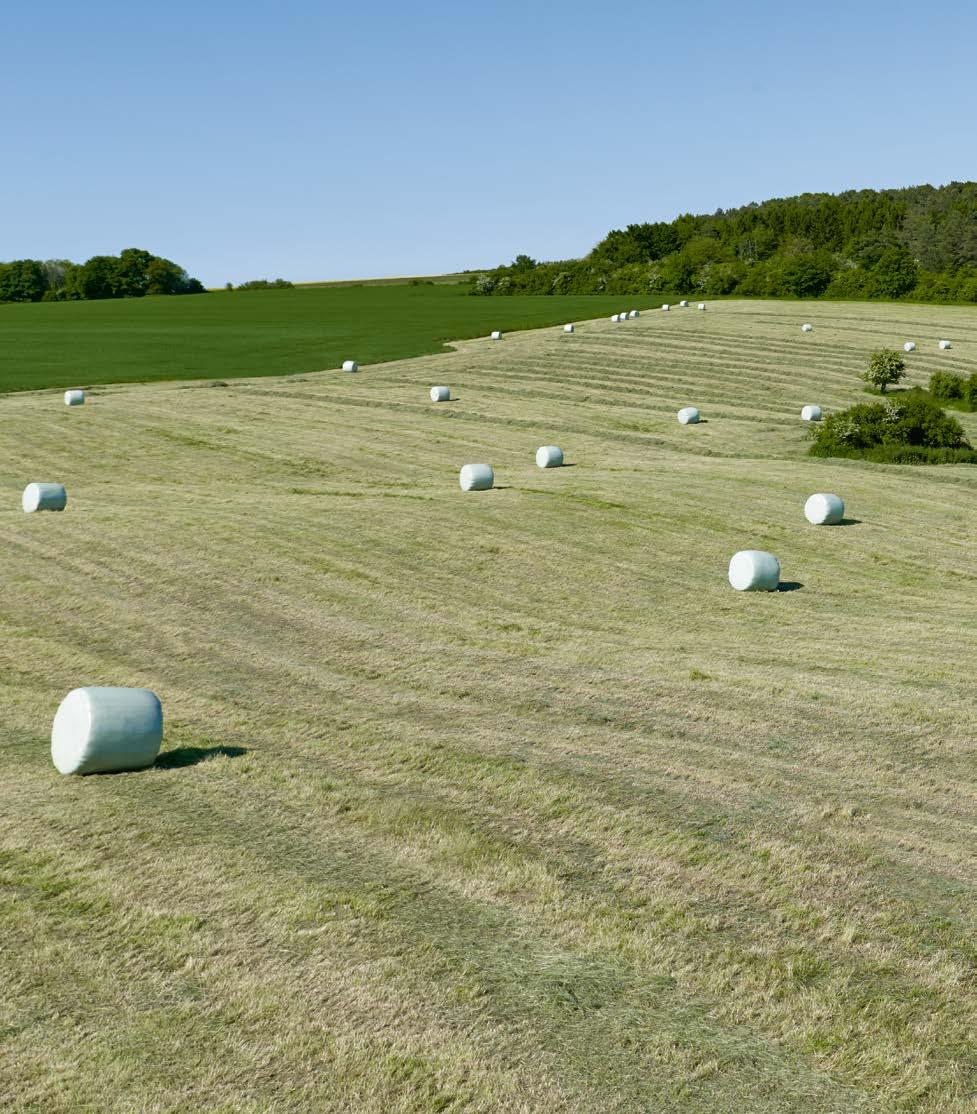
(954,390)
(264,284)
(911,429)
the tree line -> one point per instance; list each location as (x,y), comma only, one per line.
(918,243)
(133,273)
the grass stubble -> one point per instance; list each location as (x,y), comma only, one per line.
(502,800)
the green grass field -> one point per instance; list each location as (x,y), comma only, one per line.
(248,333)
(497,801)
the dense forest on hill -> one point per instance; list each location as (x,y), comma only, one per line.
(133,273)
(918,243)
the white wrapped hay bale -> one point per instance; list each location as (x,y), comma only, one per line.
(634,313)
(496,334)
(74,398)
(944,345)
(44,497)
(807,328)
(702,305)
(350,365)
(752,570)
(811,413)
(623,316)
(909,346)
(101,729)
(568,328)
(688,415)
(824,510)
(549,456)
(684,304)
(440,394)
(476,477)
(666,307)
(615,317)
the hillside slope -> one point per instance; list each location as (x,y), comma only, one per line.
(502,800)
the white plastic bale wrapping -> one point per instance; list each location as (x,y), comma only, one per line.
(824,510)
(807,328)
(634,313)
(752,570)
(568,328)
(666,307)
(476,477)
(350,365)
(496,334)
(440,394)
(615,317)
(44,497)
(101,729)
(944,345)
(684,304)
(74,398)
(702,305)
(909,346)
(811,413)
(688,415)
(549,456)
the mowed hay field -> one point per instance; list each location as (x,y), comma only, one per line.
(498,801)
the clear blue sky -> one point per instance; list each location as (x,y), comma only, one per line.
(314,140)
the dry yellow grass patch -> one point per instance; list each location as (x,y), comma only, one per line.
(501,800)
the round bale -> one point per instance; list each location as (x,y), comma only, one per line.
(440,394)
(909,346)
(350,365)
(615,317)
(944,345)
(568,328)
(74,398)
(684,304)
(811,413)
(476,477)
(549,456)
(824,510)
(666,307)
(702,305)
(688,415)
(44,497)
(496,334)
(807,328)
(634,313)
(100,729)
(752,570)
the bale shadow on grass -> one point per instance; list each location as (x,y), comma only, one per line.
(190,756)
(849,522)
(789,586)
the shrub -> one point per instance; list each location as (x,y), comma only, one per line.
(954,390)
(264,284)
(884,368)
(946,386)
(908,430)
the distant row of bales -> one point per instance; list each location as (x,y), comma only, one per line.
(100,729)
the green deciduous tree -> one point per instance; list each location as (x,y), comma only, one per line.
(884,368)
(23,280)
